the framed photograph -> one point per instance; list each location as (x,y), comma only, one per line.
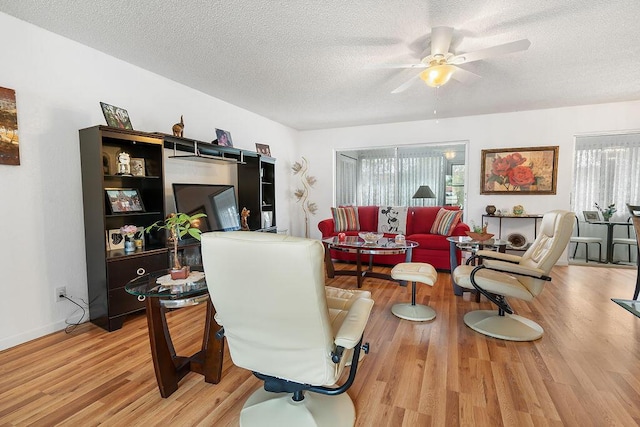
(223,138)
(531,170)
(9,141)
(116,117)
(263,149)
(137,166)
(115,239)
(124,200)
(590,216)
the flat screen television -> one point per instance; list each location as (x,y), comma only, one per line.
(217,201)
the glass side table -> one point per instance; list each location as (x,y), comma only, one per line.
(467,244)
(159,297)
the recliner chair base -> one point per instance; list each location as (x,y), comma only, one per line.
(509,327)
(415,312)
(264,408)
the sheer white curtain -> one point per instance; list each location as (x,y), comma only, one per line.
(420,168)
(392,176)
(606,170)
(377,178)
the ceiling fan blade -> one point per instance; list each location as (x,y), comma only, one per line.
(464,76)
(501,49)
(385,66)
(404,86)
(440,40)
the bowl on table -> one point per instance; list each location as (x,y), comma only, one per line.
(370,237)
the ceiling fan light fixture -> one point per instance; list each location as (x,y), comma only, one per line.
(437,75)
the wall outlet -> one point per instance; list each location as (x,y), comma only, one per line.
(60,292)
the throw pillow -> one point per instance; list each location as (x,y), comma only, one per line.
(392,219)
(345,219)
(445,222)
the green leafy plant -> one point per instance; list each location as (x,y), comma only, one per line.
(179,225)
(608,211)
(480,229)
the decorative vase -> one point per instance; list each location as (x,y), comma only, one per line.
(180,273)
(490,209)
(129,245)
(518,210)
(606,217)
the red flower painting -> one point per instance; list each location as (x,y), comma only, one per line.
(530,170)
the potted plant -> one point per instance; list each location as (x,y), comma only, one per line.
(179,225)
(479,233)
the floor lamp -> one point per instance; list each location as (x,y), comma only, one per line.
(424,192)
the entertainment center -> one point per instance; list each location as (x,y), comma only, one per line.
(113,199)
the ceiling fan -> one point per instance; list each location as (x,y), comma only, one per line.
(441,65)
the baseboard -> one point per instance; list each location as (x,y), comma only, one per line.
(33,334)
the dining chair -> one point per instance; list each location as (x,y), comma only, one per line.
(586,240)
(629,240)
(634,210)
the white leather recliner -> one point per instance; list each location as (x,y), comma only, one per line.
(505,275)
(282,323)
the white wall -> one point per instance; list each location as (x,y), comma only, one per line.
(510,130)
(59,84)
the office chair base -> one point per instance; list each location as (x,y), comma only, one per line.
(264,408)
(416,313)
(510,327)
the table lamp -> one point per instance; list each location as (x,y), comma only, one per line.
(424,192)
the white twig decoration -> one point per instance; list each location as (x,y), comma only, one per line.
(302,194)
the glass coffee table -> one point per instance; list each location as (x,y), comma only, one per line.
(466,243)
(356,245)
(161,294)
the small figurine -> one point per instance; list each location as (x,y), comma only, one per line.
(244,216)
(124,163)
(178,128)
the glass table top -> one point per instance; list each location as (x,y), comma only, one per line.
(633,306)
(466,240)
(147,285)
(357,242)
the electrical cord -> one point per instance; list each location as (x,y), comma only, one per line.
(72,326)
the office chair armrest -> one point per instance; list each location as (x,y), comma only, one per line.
(507,267)
(352,327)
(486,254)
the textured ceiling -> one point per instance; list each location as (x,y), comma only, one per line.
(304,63)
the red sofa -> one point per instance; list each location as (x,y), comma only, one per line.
(432,249)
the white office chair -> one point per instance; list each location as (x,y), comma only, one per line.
(586,240)
(505,275)
(281,322)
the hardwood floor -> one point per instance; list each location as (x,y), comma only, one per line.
(585,370)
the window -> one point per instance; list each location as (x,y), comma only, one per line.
(391,176)
(606,170)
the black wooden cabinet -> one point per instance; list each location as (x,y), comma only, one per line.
(257,191)
(108,268)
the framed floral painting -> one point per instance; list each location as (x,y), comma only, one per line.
(531,170)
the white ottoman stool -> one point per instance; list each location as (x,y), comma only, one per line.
(414,272)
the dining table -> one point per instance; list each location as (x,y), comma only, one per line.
(610,226)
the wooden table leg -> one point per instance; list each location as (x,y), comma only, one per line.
(331,272)
(213,348)
(162,351)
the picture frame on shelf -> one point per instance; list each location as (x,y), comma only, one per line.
(116,117)
(223,138)
(137,166)
(263,149)
(124,200)
(115,239)
(529,170)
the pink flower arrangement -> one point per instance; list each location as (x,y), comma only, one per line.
(128,230)
(511,172)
